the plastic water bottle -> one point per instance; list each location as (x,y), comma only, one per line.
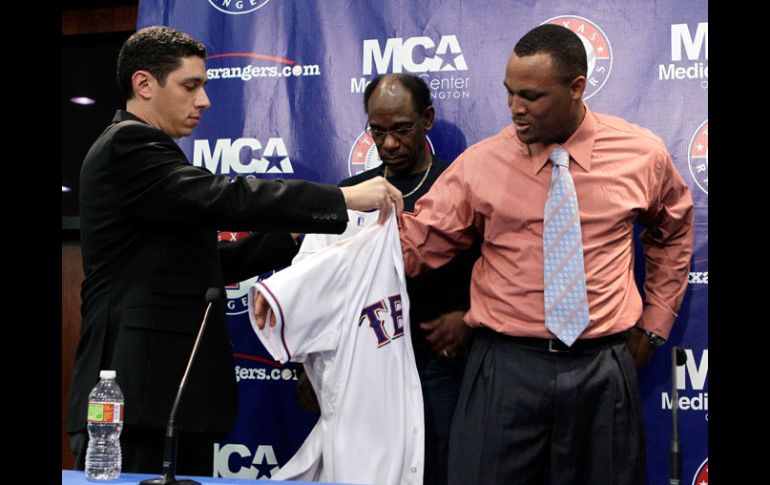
(105,421)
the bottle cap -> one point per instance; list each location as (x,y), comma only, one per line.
(107,374)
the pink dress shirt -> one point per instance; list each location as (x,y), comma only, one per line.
(496,191)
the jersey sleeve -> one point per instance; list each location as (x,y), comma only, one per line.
(308,300)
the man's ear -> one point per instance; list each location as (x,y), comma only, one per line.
(577,87)
(430,115)
(143,83)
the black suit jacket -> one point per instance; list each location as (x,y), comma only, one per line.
(148,230)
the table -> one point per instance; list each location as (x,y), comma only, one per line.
(73,477)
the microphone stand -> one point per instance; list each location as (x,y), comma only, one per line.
(167,476)
(678,357)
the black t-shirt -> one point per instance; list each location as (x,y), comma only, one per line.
(437,291)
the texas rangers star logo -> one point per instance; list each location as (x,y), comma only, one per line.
(701,477)
(363,154)
(698,157)
(238,7)
(238,292)
(598,50)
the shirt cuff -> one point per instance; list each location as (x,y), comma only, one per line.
(657,320)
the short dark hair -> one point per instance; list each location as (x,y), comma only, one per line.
(564,46)
(415,85)
(157,50)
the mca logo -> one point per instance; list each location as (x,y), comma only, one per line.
(363,155)
(701,477)
(243,156)
(698,157)
(689,54)
(238,7)
(441,65)
(413,54)
(598,50)
(261,464)
(691,381)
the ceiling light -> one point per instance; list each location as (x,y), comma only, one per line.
(83,100)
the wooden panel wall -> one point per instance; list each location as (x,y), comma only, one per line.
(71,277)
(82,18)
(116,18)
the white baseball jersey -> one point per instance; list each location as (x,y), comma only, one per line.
(342,310)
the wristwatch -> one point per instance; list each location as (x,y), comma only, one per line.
(655,340)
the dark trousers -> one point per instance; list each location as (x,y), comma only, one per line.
(142,451)
(441,378)
(529,416)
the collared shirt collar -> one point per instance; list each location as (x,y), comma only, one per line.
(123,115)
(579,145)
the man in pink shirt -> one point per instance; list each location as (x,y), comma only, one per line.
(533,405)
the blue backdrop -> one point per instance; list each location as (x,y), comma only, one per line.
(286,80)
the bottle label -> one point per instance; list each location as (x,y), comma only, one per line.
(105,412)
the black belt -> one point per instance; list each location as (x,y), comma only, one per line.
(557,346)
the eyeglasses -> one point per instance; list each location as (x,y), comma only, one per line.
(398,133)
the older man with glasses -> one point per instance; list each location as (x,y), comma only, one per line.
(400,115)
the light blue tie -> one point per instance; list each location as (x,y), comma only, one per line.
(566,304)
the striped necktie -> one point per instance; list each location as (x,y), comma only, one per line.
(566,304)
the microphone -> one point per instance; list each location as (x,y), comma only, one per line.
(678,358)
(169,447)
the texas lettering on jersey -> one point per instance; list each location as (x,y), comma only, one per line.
(373,315)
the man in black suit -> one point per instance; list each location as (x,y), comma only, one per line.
(149,222)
